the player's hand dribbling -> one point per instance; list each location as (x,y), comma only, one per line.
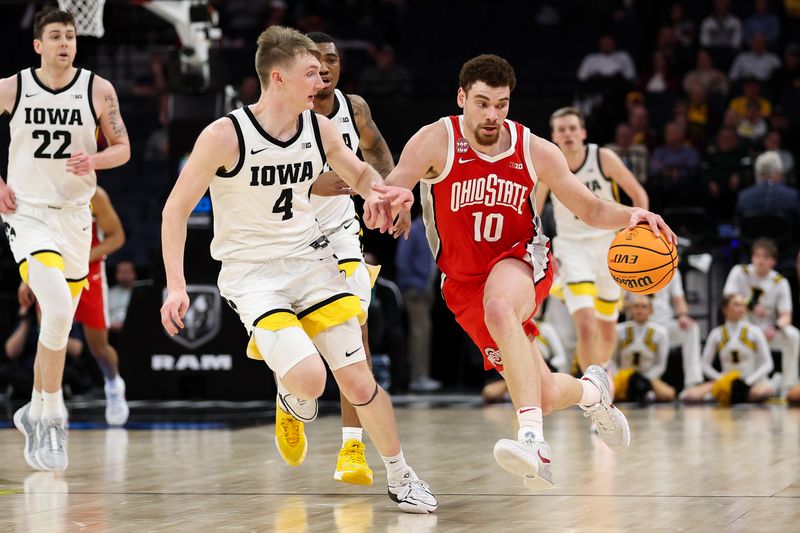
(8,201)
(330,184)
(80,164)
(655,222)
(173,310)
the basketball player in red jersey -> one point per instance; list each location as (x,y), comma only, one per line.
(478,173)
(108,236)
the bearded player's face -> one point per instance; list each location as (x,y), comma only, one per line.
(485,110)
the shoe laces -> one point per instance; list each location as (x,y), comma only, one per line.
(355,453)
(601,415)
(291,429)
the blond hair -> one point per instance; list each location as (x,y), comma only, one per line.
(565,112)
(279,46)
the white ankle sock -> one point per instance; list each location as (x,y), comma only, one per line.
(394,464)
(530,420)
(53,405)
(115,384)
(349,433)
(35,411)
(591,393)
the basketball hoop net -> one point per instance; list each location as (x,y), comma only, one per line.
(88,15)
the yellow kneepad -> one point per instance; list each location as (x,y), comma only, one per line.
(329,313)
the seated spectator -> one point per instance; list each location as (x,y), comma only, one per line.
(660,78)
(744,358)
(385,77)
(769,194)
(768,301)
(638,120)
(773,142)
(762,21)
(758,62)
(415,272)
(635,156)
(725,170)
(683,27)
(641,358)
(16,370)
(752,126)
(751,93)
(706,76)
(721,33)
(700,117)
(607,63)
(673,168)
(671,311)
(119,296)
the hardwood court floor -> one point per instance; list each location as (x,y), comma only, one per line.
(699,468)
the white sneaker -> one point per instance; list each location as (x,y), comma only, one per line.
(424,384)
(28,428)
(302,410)
(412,494)
(611,425)
(117,409)
(51,446)
(528,458)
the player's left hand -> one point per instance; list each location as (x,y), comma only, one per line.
(330,184)
(80,164)
(174,309)
(655,222)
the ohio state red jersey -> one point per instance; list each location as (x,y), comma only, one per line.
(480,206)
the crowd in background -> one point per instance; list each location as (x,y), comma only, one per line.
(701,100)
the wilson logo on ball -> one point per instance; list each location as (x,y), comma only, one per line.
(635,283)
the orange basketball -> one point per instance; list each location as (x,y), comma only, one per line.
(640,262)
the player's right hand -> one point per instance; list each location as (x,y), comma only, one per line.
(330,184)
(173,310)
(402,226)
(8,201)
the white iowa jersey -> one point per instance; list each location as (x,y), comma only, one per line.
(332,211)
(47,126)
(261,206)
(740,346)
(568,225)
(772,291)
(644,347)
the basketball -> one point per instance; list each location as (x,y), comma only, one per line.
(640,262)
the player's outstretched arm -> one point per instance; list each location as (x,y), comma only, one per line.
(614,168)
(553,171)
(8,97)
(118,151)
(217,146)
(379,206)
(109,223)
(371,142)
(424,156)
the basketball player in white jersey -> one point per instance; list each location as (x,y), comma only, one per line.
(336,215)
(55,110)
(590,293)
(643,348)
(769,304)
(742,348)
(278,269)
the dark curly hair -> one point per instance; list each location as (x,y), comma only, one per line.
(492,70)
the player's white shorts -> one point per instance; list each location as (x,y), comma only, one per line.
(59,237)
(583,268)
(347,249)
(284,294)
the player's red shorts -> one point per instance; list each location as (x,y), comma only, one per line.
(91,310)
(465,300)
